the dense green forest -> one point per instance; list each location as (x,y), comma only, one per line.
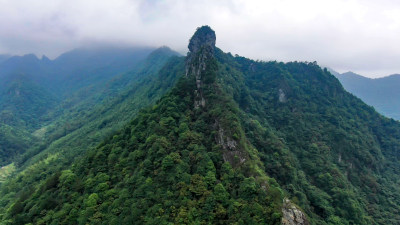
(86,121)
(37,92)
(22,104)
(226,140)
(334,155)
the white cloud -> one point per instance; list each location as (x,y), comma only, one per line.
(357,35)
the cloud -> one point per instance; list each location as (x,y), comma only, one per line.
(357,35)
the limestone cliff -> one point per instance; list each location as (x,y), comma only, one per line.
(292,215)
(201,47)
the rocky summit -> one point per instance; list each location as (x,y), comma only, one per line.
(204,37)
(201,51)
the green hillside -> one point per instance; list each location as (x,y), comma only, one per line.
(227,140)
(165,166)
(32,112)
(335,156)
(88,120)
(22,106)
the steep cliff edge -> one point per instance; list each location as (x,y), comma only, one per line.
(201,56)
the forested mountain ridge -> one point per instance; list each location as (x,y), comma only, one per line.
(92,118)
(89,119)
(381,93)
(234,141)
(185,117)
(319,124)
(85,119)
(33,96)
(32,87)
(22,106)
(75,69)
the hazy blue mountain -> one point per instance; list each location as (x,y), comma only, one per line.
(381,93)
(4,57)
(75,69)
(30,86)
(82,67)
(28,65)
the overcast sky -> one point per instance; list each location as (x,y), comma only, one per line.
(358,35)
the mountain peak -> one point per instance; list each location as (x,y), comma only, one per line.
(204,36)
(199,59)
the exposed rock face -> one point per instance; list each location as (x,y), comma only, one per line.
(225,141)
(282,96)
(292,215)
(201,47)
(204,37)
(230,153)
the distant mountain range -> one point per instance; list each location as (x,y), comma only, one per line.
(74,69)
(381,93)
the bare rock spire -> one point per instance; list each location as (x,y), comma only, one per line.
(204,37)
(201,50)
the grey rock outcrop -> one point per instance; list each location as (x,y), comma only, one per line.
(282,96)
(199,59)
(231,152)
(204,37)
(201,47)
(292,215)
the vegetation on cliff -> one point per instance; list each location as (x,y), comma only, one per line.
(230,143)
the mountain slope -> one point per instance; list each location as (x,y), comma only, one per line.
(22,106)
(25,100)
(13,141)
(87,66)
(381,93)
(4,57)
(75,69)
(27,65)
(235,141)
(185,160)
(336,157)
(87,122)
(36,94)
